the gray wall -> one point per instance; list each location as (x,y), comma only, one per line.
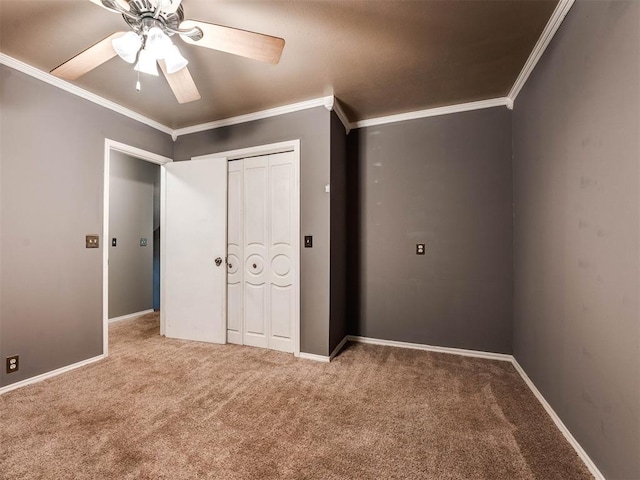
(338,256)
(445,181)
(577,202)
(132,184)
(52,160)
(312,128)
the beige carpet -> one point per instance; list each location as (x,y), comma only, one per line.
(168,409)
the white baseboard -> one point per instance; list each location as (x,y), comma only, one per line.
(339,347)
(53,373)
(324,358)
(505,358)
(390,343)
(130,315)
(561,426)
(313,356)
(430,348)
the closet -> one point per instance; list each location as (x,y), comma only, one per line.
(262,263)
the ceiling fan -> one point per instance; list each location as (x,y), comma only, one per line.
(152,24)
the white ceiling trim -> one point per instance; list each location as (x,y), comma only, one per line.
(549,31)
(326,102)
(329,102)
(337,107)
(434,112)
(68,87)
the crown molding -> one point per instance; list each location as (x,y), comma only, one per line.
(433,112)
(326,102)
(337,107)
(547,35)
(330,102)
(79,92)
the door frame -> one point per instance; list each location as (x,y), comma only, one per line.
(140,154)
(268,149)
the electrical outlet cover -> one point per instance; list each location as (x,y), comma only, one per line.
(13,364)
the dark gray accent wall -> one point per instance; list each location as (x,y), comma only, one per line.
(132,185)
(576,127)
(445,181)
(338,255)
(312,127)
(52,164)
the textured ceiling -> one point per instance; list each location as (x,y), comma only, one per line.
(378,57)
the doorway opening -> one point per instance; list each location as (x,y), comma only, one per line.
(121,159)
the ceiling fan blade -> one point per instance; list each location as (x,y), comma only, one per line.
(87,60)
(123,3)
(257,46)
(166,6)
(181,84)
(172,7)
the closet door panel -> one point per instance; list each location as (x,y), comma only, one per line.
(282,272)
(256,247)
(235,247)
(281,312)
(281,196)
(255,301)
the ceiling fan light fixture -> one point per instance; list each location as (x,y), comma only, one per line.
(146,63)
(174,60)
(127,46)
(158,43)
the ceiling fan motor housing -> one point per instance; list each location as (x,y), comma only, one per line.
(143,17)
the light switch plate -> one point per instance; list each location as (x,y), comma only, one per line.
(92,241)
(308,241)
